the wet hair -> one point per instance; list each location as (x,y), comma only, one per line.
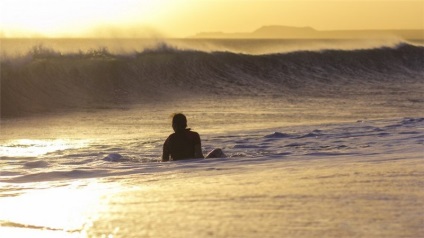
(179,121)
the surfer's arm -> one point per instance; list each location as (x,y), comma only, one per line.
(198,151)
(197,146)
(165,153)
(165,156)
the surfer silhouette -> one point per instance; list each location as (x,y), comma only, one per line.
(184,143)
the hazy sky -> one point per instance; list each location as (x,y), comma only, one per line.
(180,18)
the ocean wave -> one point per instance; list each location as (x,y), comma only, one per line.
(46,80)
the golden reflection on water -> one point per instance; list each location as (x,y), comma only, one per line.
(67,211)
(33,148)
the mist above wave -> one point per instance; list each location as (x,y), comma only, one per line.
(23,47)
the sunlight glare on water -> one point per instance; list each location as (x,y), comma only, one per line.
(66,211)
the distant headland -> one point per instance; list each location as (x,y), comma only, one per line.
(288,32)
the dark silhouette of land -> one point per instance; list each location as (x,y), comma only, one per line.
(287,32)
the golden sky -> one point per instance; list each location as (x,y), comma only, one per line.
(181,18)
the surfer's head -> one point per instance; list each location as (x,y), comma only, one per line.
(179,122)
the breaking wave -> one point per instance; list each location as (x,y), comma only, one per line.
(47,80)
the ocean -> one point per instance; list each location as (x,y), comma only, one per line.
(324,138)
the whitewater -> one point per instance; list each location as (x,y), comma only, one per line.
(323,138)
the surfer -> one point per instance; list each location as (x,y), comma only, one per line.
(184,143)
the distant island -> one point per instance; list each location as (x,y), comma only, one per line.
(288,32)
